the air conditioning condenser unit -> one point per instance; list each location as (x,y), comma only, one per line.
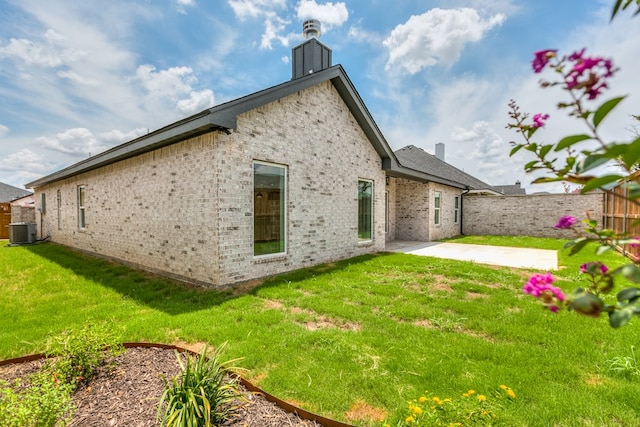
(21,233)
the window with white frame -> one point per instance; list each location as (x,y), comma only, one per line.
(365,210)
(456,209)
(269,209)
(81,206)
(436,208)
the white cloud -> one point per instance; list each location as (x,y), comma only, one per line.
(329,14)
(116,136)
(3,130)
(76,78)
(274,26)
(181,5)
(24,160)
(78,142)
(244,9)
(49,54)
(437,36)
(197,101)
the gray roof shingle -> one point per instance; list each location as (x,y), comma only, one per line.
(9,193)
(416,158)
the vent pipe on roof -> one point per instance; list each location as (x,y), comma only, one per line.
(311,28)
(440,151)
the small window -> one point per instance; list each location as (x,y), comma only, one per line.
(269,209)
(365,210)
(436,210)
(81,207)
(456,209)
(59,203)
(386,211)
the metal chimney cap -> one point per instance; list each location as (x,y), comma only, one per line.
(311,28)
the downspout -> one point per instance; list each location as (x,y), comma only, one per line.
(461,206)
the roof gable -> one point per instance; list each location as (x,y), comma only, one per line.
(223,117)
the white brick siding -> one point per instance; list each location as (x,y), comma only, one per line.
(186,210)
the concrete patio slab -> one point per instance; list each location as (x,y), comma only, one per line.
(538,259)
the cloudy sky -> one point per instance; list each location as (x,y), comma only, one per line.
(80,76)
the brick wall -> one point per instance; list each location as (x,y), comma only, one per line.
(530,215)
(414,217)
(186,210)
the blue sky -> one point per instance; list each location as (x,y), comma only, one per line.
(79,77)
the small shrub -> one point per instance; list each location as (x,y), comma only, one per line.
(74,356)
(201,395)
(472,409)
(43,401)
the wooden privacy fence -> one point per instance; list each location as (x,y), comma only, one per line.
(622,216)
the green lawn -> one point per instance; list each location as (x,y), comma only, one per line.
(355,339)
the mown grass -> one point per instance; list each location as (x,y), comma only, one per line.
(354,340)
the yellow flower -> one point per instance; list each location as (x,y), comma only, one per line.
(482,397)
(447,400)
(511,393)
(470,392)
(422,399)
(417,410)
(409,419)
(504,387)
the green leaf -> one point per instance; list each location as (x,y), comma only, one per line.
(629,294)
(591,162)
(631,153)
(620,318)
(515,149)
(530,165)
(542,180)
(544,150)
(602,249)
(599,182)
(629,271)
(568,141)
(616,7)
(576,245)
(605,109)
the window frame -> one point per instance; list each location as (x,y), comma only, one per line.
(456,209)
(283,238)
(437,208)
(362,185)
(82,207)
(59,206)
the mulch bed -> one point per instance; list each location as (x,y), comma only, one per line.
(129,394)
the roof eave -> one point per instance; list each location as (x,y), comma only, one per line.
(189,127)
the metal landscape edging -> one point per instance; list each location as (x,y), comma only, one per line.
(288,407)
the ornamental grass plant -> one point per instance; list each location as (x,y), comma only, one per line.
(353,340)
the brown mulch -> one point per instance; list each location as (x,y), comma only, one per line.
(129,394)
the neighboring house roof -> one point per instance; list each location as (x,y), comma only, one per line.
(511,190)
(417,159)
(26,201)
(9,193)
(223,117)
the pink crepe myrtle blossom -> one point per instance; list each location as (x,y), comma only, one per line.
(565,222)
(539,119)
(593,266)
(542,58)
(635,244)
(589,73)
(540,286)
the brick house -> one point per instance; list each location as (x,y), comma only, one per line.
(291,176)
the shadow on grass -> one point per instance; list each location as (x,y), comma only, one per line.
(167,295)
